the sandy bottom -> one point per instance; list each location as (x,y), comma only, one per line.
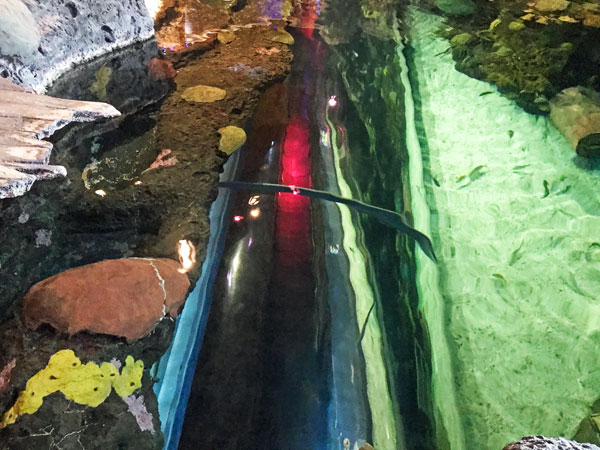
(516,224)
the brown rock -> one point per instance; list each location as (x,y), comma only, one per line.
(576,113)
(159,69)
(119,297)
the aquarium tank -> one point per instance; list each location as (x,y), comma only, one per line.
(300,224)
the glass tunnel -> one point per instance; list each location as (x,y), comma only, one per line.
(301,224)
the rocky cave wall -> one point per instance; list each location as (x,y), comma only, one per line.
(40,39)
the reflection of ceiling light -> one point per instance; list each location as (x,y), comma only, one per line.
(100,192)
(253,201)
(238,218)
(187,255)
(255,212)
(332,101)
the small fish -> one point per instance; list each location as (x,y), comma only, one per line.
(511,133)
(476,173)
(435,181)
(546,189)
(520,167)
(499,276)
(515,256)
(460,178)
(486,93)
(444,52)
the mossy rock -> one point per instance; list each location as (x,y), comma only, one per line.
(232,138)
(461,39)
(516,26)
(203,94)
(551,5)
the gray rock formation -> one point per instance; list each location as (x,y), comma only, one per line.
(52,36)
(544,443)
(19,34)
(576,113)
(25,118)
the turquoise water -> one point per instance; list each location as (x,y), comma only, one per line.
(515,220)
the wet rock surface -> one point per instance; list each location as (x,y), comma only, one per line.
(576,113)
(62,34)
(121,297)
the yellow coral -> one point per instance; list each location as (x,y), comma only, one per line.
(86,384)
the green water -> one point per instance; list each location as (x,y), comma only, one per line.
(515,219)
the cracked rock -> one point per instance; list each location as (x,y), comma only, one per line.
(120,297)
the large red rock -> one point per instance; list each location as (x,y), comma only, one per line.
(120,297)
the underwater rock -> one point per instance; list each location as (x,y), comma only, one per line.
(456,7)
(160,69)
(232,138)
(461,39)
(253,72)
(544,443)
(551,5)
(576,113)
(119,297)
(203,94)
(71,32)
(131,85)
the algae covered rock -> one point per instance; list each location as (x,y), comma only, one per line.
(203,94)
(576,113)
(119,297)
(461,39)
(551,5)
(456,7)
(232,138)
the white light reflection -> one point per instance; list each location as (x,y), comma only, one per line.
(100,192)
(153,6)
(253,201)
(187,255)
(255,213)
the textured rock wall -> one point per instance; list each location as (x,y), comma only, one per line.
(41,39)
